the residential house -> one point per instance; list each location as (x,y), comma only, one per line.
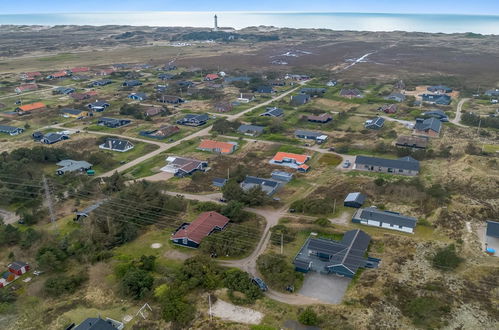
(161,133)
(492,92)
(170,99)
(246,97)
(194,120)
(400,85)
(100,83)
(153,111)
(264,89)
(229,80)
(80,69)
(268,186)
(278,83)
(25,88)
(355,200)
(250,130)
(440,99)
(113,122)
(297,77)
(397,97)
(69,166)
(351,93)
(309,135)
(191,234)
(11,130)
(30,107)
(74,113)
(211,77)
(105,72)
(84,95)
(219,182)
(59,75)
(439,89)
(282,176)
(372,216)
(375,123)
(131,83)
(439,114)
(300,99)
(428,127)
(403,166)
(218,146)
(224,107)
(30,75)
(185,83)
(343,258)
(273,112)
(51,138)
(86,211)
(313,91)
(332,83)
(492,238)
(97,323)
(64,90)
(169,67)
(292,160)
(98,106)
(6,278)
(322,119)
(181,166)
(417,142)
(388,108)
(138,96)
(165,76)
(114,144)
(37,136)
(18,267)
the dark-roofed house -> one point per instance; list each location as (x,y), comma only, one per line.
(322,119)
(313,91)
(439,114)
(403,166)
(51,138)
(310,135)
(250,130)
(69,165)
(273,112)
(282,176)
(492,92)
(343,258)
(492,238)
(439,89)
(428,127)
(113,122)
(153,111)
(355,200)
(98,106)
(351,93)
(161,133)
(375,123)
(170,99)
(194,120)
(116,145)
(269,186)
(102,82)
(181,166)
(191,234)
(86,211)
(418,142)
(131,83)
(11,130)
(264,89)
(97,323)
(219,182)
(74,113)
(224,107)
(372,216)
(138,96)
(300,99)
(440,99)
(64,90)
(18,267)
(388,108)
(397,97)
(165,76)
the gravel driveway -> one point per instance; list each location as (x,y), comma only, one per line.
(325,287)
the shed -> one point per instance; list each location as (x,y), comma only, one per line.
(282,176)
(219,182)
(355,200)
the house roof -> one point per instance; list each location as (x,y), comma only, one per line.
(211,76)
(99,104)
(432,123)
(260,181)
(32,106)
(395,96)
(95,323)
(492,228)
(53,137)
(437,98)
(17,265)
(417,141)
(80,69)
(185,164)
(138,95)
(59,74)
(198,117)
(300,98)
(356,197)
(406,163)
(300,132)
(72,111)
(264,89)
(281,156)
(9,129)
(26,87)
(224,147)
(394,218)
(69,165)
(377,122)
(323,117)
(117,144)
(273,112)
(435,113)
(250,128)
(204,224)
(350,92)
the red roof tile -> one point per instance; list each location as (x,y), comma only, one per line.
(223,147)
(201,227)
(281,156)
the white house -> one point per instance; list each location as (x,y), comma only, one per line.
(371,216)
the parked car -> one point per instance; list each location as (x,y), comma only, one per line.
(261,284)
(346,164)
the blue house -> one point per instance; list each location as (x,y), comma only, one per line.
(300,99)
(355,200)
(439,89)
(343,258)
(440,99)
(375,123)
(439,114)
(138,96)
(273,112)
(131,83)
(194,120)
(264,89)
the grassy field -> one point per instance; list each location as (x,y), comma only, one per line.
(491,148)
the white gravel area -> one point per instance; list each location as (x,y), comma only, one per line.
(230,312)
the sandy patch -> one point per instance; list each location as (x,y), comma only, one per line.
(162,176)
(230,312)
(177,255)
(156,245)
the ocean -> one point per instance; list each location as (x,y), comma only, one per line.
(435,23)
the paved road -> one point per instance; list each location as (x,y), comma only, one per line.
(457,119)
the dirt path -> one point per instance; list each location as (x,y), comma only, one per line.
(342,219)
(8,217)
(457,119)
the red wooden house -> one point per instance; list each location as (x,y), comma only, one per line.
(18,268)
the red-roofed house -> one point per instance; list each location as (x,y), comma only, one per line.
(80,69)
(191,234)
(57,75)
(30,75)
(18,267)
(31,107)
(295,161)
(105,72)
(217,146)
(211,77)
(26,88)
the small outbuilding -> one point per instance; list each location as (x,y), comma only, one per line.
(355,200)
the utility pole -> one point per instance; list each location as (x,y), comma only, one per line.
(478,130)
(209,302)
(282,243)
(48,200)
(334,206)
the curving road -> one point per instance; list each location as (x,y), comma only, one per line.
(457,119)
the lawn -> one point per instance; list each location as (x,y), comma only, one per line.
(330,159)
(491,148)
(140,149)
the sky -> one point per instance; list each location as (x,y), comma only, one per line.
(487,7)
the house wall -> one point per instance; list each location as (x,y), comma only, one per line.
(429,133)
(381,169)
(373,223)
(341,271)
(187,243)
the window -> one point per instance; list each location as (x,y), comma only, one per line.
(401,227)
(401,170)
(184,241)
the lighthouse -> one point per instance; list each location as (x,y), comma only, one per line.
(215,28)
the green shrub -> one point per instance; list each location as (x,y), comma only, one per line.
(308,317)
(446,258)
(57,286)
(237,280)
(278,272)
